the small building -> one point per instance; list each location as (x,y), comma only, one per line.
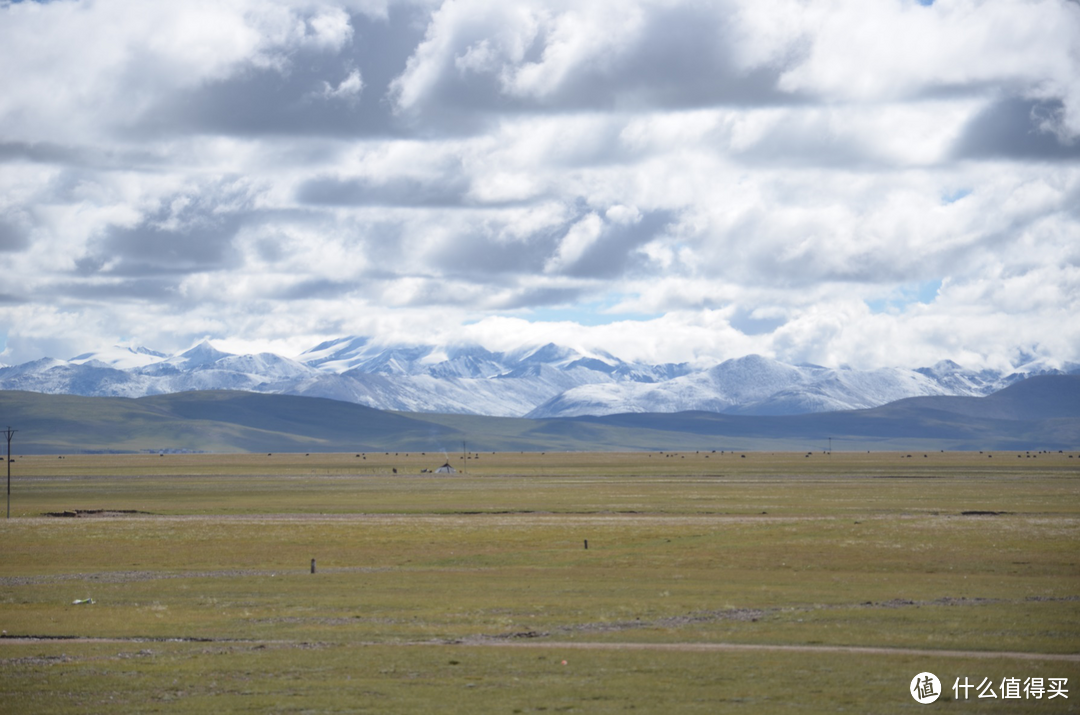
(446,469)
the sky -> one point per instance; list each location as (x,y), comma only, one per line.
(837,182)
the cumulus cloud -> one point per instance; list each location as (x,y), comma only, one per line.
(826,182)
(602,55)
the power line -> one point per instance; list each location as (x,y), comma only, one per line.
(9,433)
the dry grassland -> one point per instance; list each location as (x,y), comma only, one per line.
(711,582)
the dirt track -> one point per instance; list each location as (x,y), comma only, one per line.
(483,642)
(735,647)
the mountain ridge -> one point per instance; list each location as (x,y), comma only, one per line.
(1040,413)
(536,381)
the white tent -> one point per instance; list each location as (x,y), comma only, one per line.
(446,469)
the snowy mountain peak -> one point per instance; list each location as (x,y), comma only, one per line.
(544,355)
(589,363)
(201,355)
(120,357)
(538,381)
(337,345)
(754,376)
(336,353)
(32,367)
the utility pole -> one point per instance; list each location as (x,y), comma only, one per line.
(464,458)
(830,445)
(9,433)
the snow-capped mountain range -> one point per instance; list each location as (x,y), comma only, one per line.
(534,381)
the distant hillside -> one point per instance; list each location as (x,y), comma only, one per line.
(1038,398)
(1041,412)
(212,421)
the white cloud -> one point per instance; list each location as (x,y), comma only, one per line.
(904,47)
(590,35)
(581,236)
(754,173)
(78,70)
(348,89)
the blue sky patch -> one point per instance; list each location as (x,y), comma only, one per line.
(906,295)
(592,313)
(953,196)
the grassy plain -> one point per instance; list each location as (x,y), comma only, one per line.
(711,582)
